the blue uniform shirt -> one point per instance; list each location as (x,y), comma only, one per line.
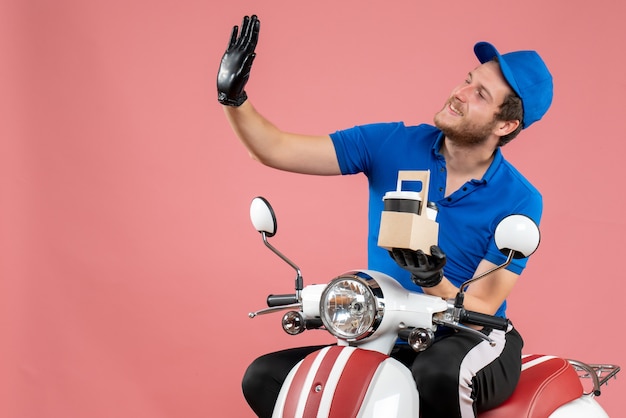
(467,218)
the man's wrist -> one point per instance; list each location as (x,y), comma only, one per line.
(227,101)
(431,280)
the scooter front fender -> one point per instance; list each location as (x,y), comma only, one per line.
(340,382)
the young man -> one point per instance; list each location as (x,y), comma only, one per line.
(473,186)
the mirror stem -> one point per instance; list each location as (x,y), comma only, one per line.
(299,282)
(460,296)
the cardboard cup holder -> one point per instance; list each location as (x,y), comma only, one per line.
(405,221)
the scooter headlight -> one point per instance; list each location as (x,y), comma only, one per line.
(349,307)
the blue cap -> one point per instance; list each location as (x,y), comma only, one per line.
(527,75)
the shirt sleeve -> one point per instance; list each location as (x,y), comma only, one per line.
(356,146)
(531,206)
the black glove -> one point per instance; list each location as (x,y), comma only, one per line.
(426,270)
(236,63)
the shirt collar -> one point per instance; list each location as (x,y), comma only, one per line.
(497,160)
(493,167)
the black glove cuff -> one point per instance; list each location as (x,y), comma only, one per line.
(227,101)
(428,281)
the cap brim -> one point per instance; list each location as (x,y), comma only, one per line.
(486,52)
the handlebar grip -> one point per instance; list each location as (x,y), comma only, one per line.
(481,319)
(281,300)
(404,333)
(314,323)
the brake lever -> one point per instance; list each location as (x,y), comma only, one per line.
(274,309)
(461,327)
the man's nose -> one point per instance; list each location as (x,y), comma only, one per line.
(463,92)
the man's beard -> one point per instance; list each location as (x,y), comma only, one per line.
(467,133)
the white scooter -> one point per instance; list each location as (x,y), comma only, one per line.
(367,311)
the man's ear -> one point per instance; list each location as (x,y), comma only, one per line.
(505,127)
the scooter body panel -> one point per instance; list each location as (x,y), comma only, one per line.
(583,407)
(340,382)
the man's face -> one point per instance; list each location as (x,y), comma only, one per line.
(468,117)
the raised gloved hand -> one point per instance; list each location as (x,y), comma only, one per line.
(236,63)
(426,270)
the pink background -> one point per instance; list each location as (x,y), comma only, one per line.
(127,260)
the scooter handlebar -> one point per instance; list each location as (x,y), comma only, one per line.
(484,320)
(281,300)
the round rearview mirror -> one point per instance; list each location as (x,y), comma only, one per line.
(262,216)
(518,233)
